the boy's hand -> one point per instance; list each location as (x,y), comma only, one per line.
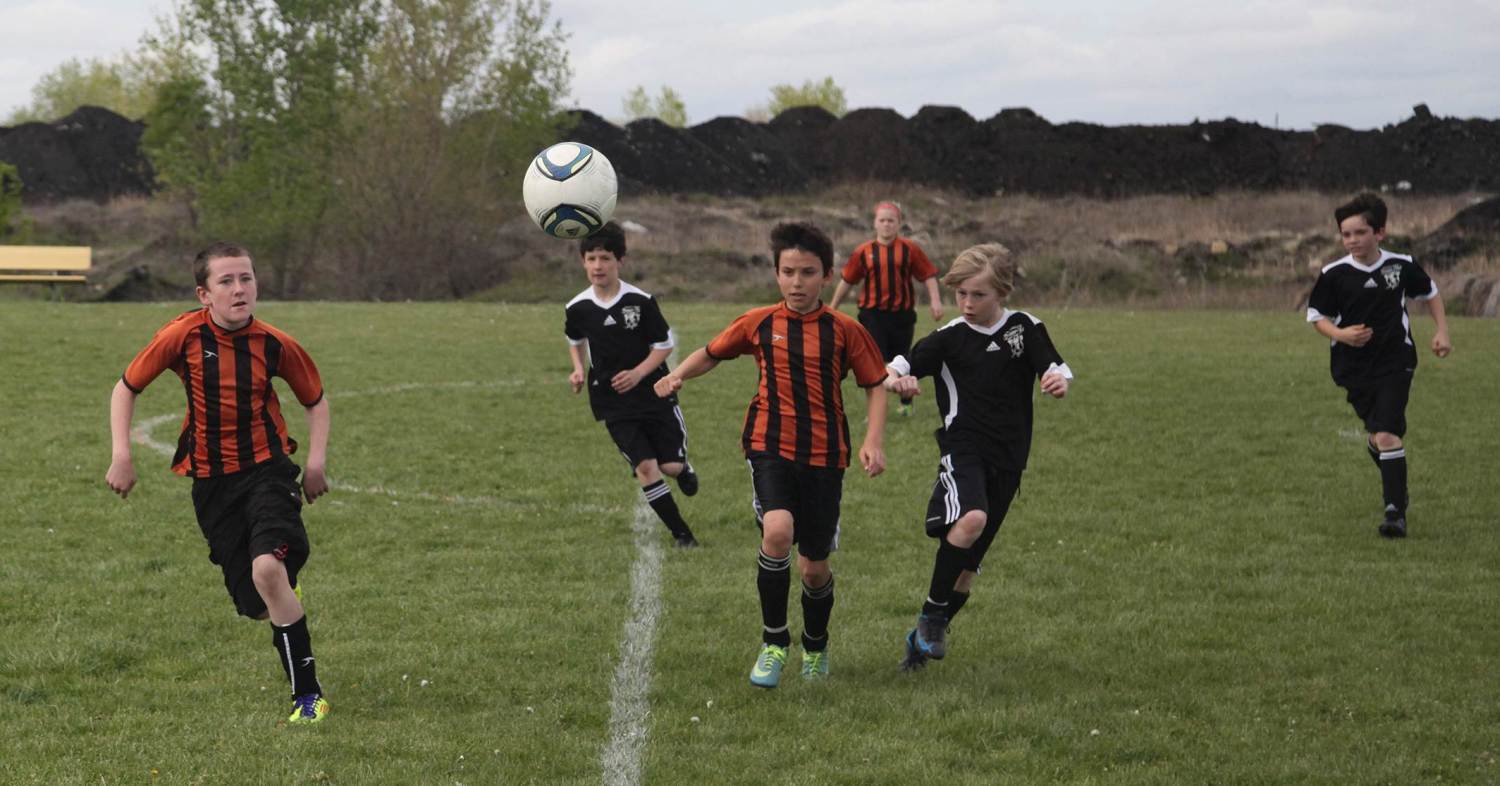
(121,476)
(937,312)
(872,458)
(1356,335)
(1054,384)
(906,387)
(667,385)
(576,380)
(1441,346)
(314,483)
(625,381)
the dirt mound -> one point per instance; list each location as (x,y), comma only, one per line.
(90,154)
(1470,231)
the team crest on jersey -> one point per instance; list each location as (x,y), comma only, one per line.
(1015,337)
(1392,275)
(632,315)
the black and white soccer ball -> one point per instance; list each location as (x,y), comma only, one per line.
(570,190)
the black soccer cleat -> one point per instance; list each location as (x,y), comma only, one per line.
(931,635)
(1394,525)
(687,541)
(914,660)
(687,481)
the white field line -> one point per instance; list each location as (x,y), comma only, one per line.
(629,694)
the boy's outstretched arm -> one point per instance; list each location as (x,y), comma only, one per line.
(838,293)
(1353,335)
(626,380)
(579,376)
(872,452)
(121,473)
(314,482)
(696,365)
(1441,346)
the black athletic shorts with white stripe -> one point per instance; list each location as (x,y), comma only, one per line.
(249,513)
(966,483)
(660,434)
(811,494)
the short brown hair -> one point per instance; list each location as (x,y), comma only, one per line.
(221,249)
(991,258)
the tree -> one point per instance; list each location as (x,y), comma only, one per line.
(667,107)
(123,85)
(12,226)
(826,94)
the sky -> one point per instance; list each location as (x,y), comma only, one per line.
(1281,63)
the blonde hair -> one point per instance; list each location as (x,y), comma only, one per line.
(991,258)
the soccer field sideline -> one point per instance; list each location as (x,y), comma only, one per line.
(1028,663)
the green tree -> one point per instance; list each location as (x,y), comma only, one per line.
(122,84)
(11,223)
(667,106)
(826,94)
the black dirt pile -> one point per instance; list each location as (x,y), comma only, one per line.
(90,154)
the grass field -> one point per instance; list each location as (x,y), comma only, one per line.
(1188,590)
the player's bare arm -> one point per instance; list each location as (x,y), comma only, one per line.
(904,386)
(121,474)
(626,380)
(1352,335)
(872,451)
(696,365)
(578,377)
(934,298)
(1441,346)
(314,479)
(838,293)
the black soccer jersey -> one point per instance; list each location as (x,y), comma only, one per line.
(620,334)
(986,379)
(1349,293)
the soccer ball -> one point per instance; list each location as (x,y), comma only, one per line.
(570,190)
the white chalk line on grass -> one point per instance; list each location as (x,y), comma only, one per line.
(629,704)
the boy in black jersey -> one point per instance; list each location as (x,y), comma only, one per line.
(1359,304)
(984,365)
(618,331)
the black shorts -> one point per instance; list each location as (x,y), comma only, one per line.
(966,483)
(249,513)
(660,435)
(892,330)
(1381,404)
(811,494)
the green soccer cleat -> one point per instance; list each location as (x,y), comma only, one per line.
(815,665)
(767,670)
(904,410)
(307,709)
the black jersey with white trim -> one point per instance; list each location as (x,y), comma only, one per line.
(620,334)
(1374,295)
(986,379)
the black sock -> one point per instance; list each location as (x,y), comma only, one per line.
(774,580)
(294,650)
(817,607)
(950,561)
(957,603)
(1393,478)
(905,402)
(659,495)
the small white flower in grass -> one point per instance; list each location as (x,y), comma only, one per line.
(424,683)
(404,676)
(710,703)
(694,719)
(529,709)
(1093,732)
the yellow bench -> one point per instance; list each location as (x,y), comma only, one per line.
(46,264)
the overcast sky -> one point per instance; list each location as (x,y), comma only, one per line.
(1292,63)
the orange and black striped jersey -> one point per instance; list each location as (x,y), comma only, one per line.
(233,419)
(798,409)
(888,272)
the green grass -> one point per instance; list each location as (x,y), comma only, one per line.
(1189,588)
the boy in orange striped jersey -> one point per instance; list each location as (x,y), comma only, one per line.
(235,446)
(796,438)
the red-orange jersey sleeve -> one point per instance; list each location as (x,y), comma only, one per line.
(921,267)
(864,356)
(162,353)
(739,338)
(298,369)
(854,269)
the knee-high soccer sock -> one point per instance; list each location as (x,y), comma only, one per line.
(817,607)
(950,562)
(774,581)
(956,603)
(659,495)
(1393,478)
(294,650)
